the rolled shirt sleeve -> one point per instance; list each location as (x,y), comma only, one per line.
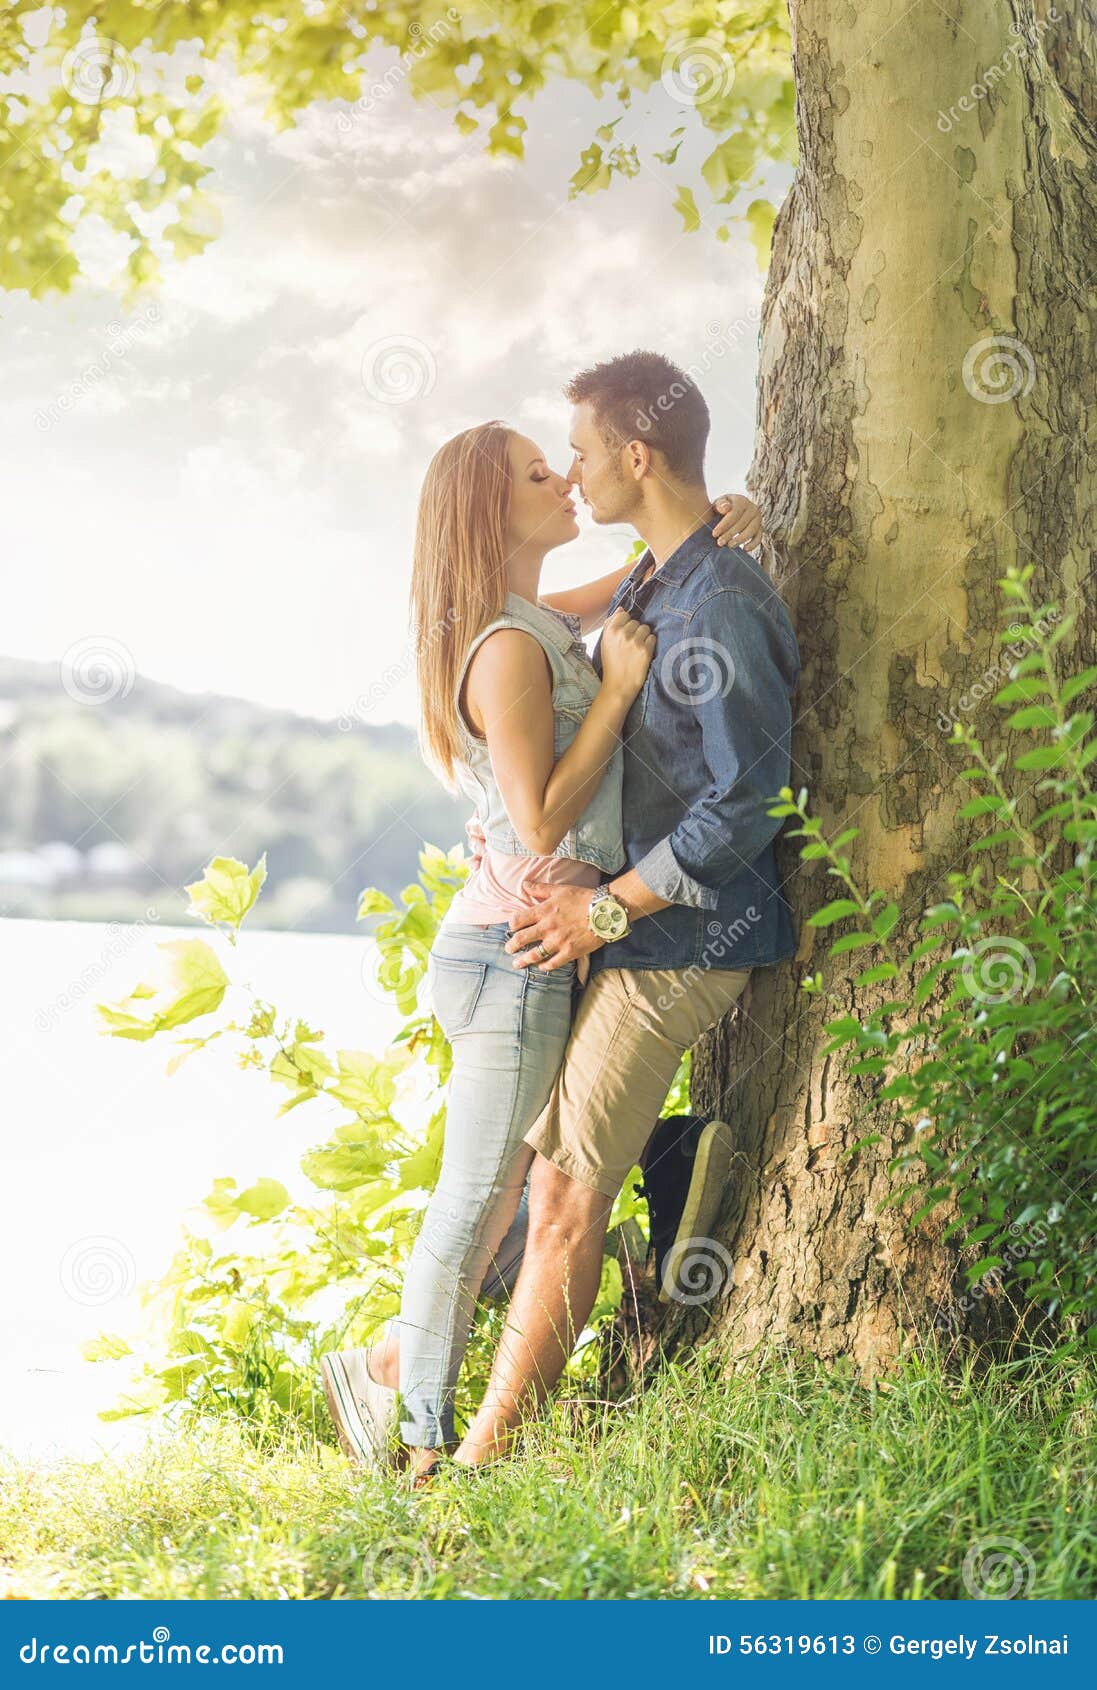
(663,874)
(735,672)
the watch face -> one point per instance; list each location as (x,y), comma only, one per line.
(610,920)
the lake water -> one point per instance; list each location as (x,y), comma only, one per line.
(104,1153)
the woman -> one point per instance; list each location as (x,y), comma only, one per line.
(514,714)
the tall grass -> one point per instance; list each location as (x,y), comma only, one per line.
(779,1479)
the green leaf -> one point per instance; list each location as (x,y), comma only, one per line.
(883,923)
(196,979)
(420,1169)
(220,1203)
(852,942)
(593,174)
(366,1084)
(1002,836)
(686,206)
(373,902)
(227,890)
(106,1347)
(832,912)
(729,167)
(1041,757)
(344,1167)
(1030,686)
(761,216)
(263,1200)
(1077,684)
(1033,716)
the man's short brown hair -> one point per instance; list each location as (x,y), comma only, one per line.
(643,396)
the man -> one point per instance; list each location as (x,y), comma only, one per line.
(673,938)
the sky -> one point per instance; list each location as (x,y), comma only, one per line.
(220,482)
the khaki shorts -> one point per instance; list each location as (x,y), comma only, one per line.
(631,1030)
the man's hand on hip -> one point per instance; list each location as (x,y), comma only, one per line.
(558,922)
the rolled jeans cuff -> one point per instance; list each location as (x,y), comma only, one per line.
(663,874)
(426,1434)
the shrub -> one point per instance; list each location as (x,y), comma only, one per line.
(987,1045)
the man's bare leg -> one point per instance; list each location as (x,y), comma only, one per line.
(549,1307)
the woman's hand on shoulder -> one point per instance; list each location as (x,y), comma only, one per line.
(740,522)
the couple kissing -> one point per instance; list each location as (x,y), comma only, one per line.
(624,882)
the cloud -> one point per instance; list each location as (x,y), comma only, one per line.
(239,500)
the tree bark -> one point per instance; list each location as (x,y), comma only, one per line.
(898,486)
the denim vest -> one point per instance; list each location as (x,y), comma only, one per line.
(596,836)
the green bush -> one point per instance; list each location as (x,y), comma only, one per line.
(987,1045)
(237,1323)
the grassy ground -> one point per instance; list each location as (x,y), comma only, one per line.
(781,1480)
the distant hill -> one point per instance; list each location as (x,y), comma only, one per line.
(116,790)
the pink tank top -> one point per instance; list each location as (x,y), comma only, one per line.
(496,889)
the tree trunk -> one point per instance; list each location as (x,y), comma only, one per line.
(898,484)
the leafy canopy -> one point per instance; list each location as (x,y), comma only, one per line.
(113,106)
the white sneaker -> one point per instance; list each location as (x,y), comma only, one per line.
(364,1412)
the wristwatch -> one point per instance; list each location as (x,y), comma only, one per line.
(607,916)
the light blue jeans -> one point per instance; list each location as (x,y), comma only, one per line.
(508,1028)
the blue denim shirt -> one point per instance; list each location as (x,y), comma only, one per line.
(707,748)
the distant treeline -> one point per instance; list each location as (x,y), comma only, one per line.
(110,803)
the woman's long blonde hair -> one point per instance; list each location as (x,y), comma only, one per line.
(458,576)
